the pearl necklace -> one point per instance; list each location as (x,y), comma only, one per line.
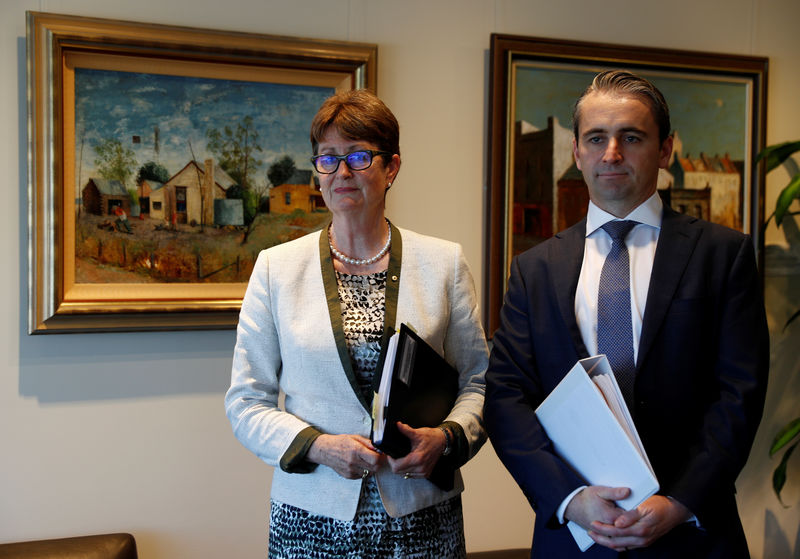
(360,261)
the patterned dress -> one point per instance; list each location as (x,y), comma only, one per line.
(434,532)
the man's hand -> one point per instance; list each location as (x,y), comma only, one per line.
(641,526)
(596,504)
(349,455)
(427,445)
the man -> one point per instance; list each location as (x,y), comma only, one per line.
(696,355)
(122,220)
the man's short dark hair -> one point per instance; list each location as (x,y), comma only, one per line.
(622,82)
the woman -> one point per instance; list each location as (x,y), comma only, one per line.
(311,325)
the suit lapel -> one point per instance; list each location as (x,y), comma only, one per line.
(335,305)
(566,258)
(676,243)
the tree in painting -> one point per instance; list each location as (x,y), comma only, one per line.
(113,161)
(280,171)
(152,171)
(236,150)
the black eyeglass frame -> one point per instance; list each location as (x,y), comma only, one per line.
(339,158)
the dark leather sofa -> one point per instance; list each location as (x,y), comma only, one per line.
(123,546)
(103,546)
(501,554)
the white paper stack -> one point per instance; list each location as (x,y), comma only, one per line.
(590,426)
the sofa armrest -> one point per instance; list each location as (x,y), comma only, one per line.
(104,546)
(501,554)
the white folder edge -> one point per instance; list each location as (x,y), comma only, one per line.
(381,398)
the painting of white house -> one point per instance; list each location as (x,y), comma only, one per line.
(186,179)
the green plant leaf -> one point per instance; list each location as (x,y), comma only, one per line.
(779,475)
(763,225)
(777,154)
(791,318)
(784,436)
(785,198)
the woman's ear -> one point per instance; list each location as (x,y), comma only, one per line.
(393,168)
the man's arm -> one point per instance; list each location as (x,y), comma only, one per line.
(733,413)
(514,389)
(720,447)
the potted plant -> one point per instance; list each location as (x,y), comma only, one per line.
(788,436)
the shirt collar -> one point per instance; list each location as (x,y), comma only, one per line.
(648,212)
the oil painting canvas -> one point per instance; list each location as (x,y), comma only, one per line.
(185,178)
(707,174)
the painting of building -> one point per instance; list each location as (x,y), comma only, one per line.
(707,112)
(549,193)
(188,196)
(689,201)
(144,190)
(573,198)
(541,157)
(719,178)
(300,192)
(101,196)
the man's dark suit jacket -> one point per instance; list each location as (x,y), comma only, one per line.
(701,377)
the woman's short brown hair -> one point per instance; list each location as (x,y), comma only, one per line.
(357,114)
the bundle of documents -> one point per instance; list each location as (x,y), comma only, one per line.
(417,387)
(586,419)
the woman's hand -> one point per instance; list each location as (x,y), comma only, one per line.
(427,445)
(351,456)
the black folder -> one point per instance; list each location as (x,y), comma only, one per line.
(422,391)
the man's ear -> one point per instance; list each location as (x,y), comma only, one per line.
(665,152)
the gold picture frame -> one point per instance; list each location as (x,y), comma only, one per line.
(58,46)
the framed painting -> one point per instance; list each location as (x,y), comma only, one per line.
(717,105)
(162,160)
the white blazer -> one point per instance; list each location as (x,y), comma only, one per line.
(285,344)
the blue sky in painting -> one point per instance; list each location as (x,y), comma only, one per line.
(121,105)
(709,116)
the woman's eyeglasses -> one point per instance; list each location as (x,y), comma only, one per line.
(355,160)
